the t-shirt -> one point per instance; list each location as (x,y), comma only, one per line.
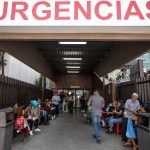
(56,100)
(96,104)
(118,109)
(134,106)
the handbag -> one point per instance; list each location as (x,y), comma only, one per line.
(130,133)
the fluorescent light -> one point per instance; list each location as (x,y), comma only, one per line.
(72,71)
(73,67)
(72,43)
(73,53)
(72,58)
(73,63)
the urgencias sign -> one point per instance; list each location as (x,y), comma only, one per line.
(74,12)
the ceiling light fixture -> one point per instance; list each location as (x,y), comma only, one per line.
(73,67)
(72,43)
(72,58)
(72,71)
(73,63)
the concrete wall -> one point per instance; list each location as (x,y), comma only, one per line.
(68,80)
(18,70)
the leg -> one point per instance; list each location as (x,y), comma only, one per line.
(106,120)
(124,129)
(30,122)
(36,123)
(96,125)
(112,121)
(135,146)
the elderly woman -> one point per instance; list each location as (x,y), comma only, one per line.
(132,106)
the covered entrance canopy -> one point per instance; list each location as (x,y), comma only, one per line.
(111,40)
(51,58)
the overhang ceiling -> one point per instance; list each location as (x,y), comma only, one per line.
(91,54)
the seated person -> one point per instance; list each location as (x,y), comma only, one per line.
(50,109)
(35,114)
(117,117)
(26,115)
(31,113)
(43,114)
(109,112)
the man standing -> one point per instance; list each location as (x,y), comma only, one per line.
(96,102)
(56,100)
(61,103)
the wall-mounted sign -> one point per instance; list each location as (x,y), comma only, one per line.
(74,12)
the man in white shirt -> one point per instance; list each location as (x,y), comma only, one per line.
(56,100)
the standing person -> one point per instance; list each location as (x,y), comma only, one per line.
(96,102)
(61,103)
(132,106)
(70,103)
(56,100)
(66,102)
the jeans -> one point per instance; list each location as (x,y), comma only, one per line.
(112,121)
(96,125)
(106,120)
(61,108)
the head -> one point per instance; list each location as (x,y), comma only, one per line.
(96,93)
(56,93)
(39,100)
(134,97)
(25,108)
(120,103)
(114,103)
(34,103)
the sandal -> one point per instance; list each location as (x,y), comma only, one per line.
(127,144)
(135,147)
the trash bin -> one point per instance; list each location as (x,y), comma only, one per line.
(6,129)
(143,131)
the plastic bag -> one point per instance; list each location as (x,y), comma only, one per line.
(130,133)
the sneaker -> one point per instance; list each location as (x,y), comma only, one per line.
(109,132)
(99,141)
(37,130)
(94,136)
(31,133)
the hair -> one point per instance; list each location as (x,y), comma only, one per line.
(24,107)
(135,95)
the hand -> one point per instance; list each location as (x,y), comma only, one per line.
(33,119)
(126,116)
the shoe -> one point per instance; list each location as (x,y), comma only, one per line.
(94,136)
(31,133)
(37,130)
(106,127)
(99,141)
(109,132)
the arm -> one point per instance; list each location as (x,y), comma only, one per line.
(128,109)
(119,113)
(89,102)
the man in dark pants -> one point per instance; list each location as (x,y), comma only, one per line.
(56,100)
(124,129)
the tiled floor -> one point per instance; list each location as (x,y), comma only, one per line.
(68,133)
